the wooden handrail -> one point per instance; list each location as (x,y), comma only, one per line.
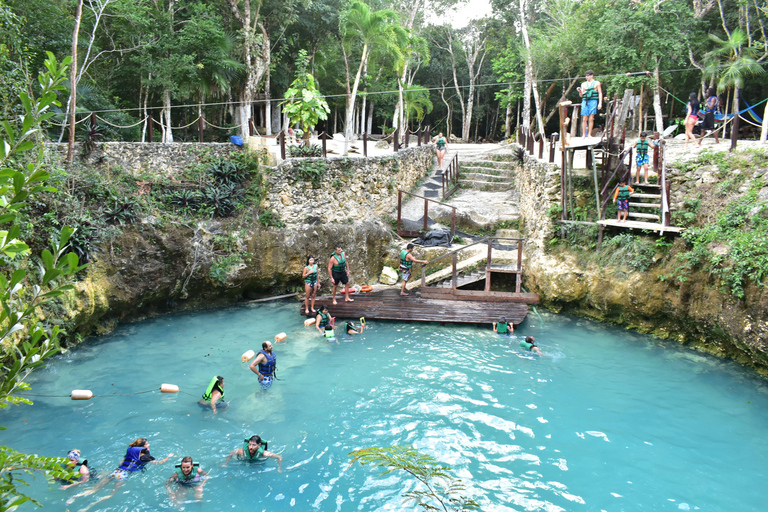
(450,178)
(487,240)
(426,212)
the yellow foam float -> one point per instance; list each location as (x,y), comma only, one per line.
(81,394)
(308,322)
(280,337)
(169,388)
(247,356)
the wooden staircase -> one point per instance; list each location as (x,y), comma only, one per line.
(645,203)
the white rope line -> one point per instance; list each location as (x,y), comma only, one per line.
(750,122)
(67,124)
(117,125)
(177,127)
(220,127)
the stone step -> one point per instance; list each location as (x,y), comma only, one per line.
(485,186)
(488,170)
(646,196)
(645,205)
(474,176)
(492,164)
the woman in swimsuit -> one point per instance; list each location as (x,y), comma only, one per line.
(442,147)
(691,117)
(309,274)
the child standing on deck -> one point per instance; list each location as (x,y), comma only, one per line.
(642,156)
(623,191)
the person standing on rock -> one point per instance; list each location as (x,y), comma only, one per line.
(406,261)
(338,269)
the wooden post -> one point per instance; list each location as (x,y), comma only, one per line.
(541,147)
(423,276)
(418,137)
(151,125)
(453,223)
(553,138)
(562,112)
(250,127)
(399,207)
(282,144)
(324,138)
(454,279)
(488,266)
(200,129)
(396,139)
(365,144)
(518,284)
(668,214)
(426,213)
(530,142)
(588,157)
(407,134)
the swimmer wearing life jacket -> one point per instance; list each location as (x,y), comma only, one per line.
(351,328)
(75,463)
(136,458)
(265,365)
(214,395)
(529,343)
(323,319)
(255,450)
(188,474)
(329,334)
(503,327)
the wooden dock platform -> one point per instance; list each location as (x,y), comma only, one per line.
(390,305)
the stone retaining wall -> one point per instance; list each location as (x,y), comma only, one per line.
(167,159)
(538,185)
(348,189)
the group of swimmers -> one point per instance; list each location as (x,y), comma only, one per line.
(505,328)
(188,474)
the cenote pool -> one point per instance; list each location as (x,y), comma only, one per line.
(608,420)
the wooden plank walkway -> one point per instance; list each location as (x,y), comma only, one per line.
(390,305)
(633,224)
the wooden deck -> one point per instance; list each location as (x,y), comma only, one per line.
(649,226)
(390,305)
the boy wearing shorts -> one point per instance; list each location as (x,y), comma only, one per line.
(623,191)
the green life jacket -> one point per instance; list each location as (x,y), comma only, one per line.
(329,333)
(501,328)
(404,262)
(341,266)
(209,391)
(526,345)
(325,319)
(312,275)
(193,477)
(623,193)
(642,147)
(441,143)
(590,93)
(256,456)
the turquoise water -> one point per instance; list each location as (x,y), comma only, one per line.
(607,420)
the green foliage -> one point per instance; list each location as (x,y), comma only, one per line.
(304,105)
(311,171)
(28,285)
(121,210)
(734,249)
(220,267)
(302,151)
(270,218)
(437,486)
(629,251)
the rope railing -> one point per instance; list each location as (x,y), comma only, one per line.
(176,127)
(119,126)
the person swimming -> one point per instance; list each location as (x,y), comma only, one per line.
(503,327)
(529,343)
(254,449)
(213,396)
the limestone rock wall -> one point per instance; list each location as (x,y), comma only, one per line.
(150,270)
(349,188)
(168,159)
(538,186)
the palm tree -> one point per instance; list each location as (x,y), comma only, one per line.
(377,28)
(417,103)
(732,61)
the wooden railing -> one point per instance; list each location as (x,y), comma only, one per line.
(407,233)
(451,177)
(454,255)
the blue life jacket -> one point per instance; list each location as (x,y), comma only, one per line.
(267,368)
(132,461)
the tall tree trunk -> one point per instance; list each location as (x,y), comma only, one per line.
(539,106)
(350,110)
(657,100)
(268,105)
(370,118)
(165,117)
(73,86)
(508,117)
(528,66)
